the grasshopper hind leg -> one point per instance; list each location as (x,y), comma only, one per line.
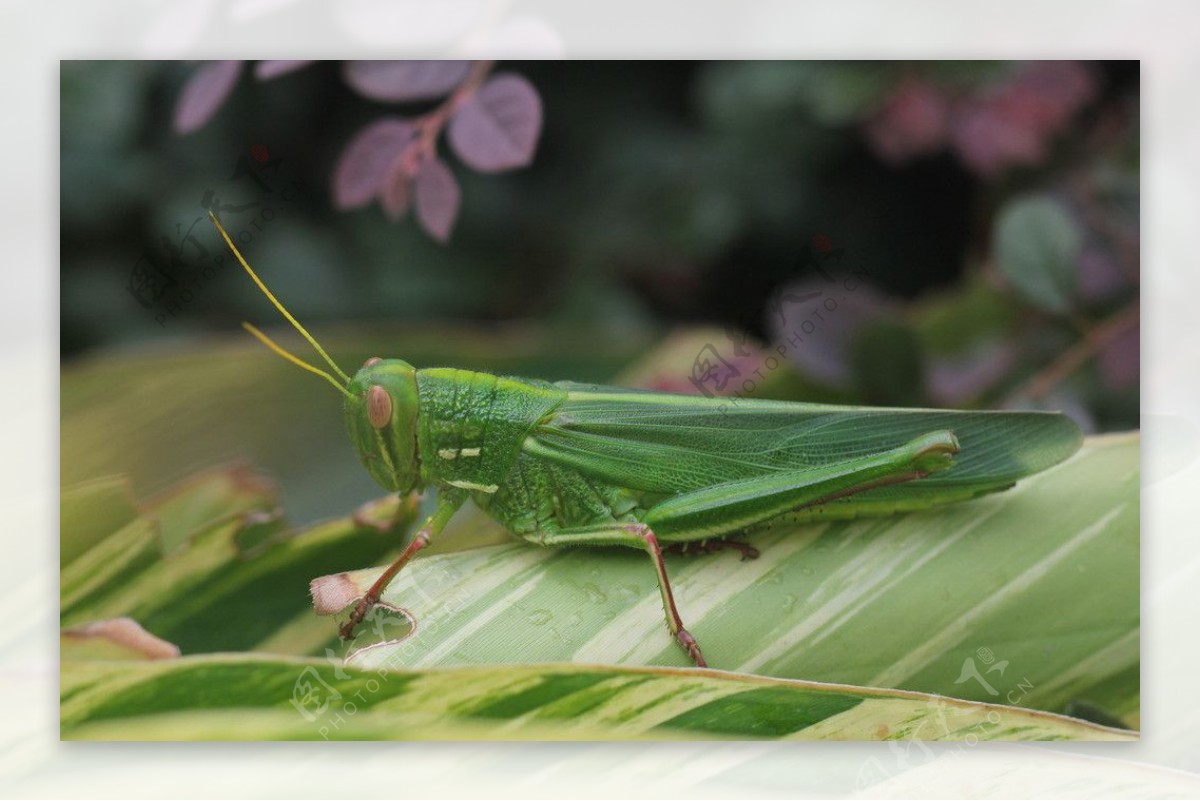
(640,536)
(674,622)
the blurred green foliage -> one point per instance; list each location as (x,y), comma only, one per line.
(975,226)
(159,416)
(994,206)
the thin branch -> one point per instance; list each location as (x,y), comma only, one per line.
(1077,355)
(429,126)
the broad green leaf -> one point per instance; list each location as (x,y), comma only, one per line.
(1037,244)
(91,511)
(234,578)
(952,321)
(1028,597)
(889,364)
(160,417)
(199,697)
(210,565)
(209,594)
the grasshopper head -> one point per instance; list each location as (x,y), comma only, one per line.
(381,398)
(381,416)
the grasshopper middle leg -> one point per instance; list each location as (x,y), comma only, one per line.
(705,547)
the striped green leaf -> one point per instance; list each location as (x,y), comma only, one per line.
(208,565)
(1028,597)
(245,697)
(222,589)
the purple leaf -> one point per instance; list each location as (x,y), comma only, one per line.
(819,338)
(1011,124)
(395,194)
(438,198)
(204,93)
(404,80)
(958,379)
(266,70)
(365,163)
(1100,275)
(1120,360)
(913,121)
(989,140)
(498,127)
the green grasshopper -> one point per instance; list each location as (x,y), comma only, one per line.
(563,464)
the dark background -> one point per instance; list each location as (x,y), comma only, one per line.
(664,194)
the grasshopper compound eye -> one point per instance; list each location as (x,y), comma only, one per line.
(379,406)
(371,362)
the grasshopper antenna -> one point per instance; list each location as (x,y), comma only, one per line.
(261,336)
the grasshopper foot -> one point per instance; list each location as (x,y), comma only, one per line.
(691,646)
(745,549)
(364,606)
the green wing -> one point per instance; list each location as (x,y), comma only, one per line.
(664,444)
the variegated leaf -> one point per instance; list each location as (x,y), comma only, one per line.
(1026,597)
(197,698)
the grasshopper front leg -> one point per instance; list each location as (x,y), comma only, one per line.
(448,503)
